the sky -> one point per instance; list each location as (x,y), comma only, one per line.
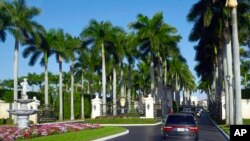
(74,15)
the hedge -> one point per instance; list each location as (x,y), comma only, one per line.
(7,96)
(245,93)
(77,106)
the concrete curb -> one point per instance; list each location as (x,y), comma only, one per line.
(112,136)
(124,125)
(222,131)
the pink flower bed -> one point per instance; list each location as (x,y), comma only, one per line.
(8,133)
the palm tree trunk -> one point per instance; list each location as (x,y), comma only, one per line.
(236,56)
(72,116)
(114,91)
(122,85)
(152,77)
(219,84)
(60,90)
(103,81)
(82,99)
(16,75)
(230,87)
(226,86)
(165,72)
(46,88)
(129,88)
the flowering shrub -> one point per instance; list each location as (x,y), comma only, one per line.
(8,133)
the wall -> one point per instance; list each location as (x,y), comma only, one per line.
(6,106)
(245,108)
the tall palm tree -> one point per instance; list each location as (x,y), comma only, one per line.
(98,33)
(35,50)
(211,30)
(22,28)
(236,55)
(72,44)
(150,36)
(82,65)
(131,55)
(59,50)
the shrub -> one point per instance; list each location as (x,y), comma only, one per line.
(77,105)
(9,121)
(175,107)
(245,93)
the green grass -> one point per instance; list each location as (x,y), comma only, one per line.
(226,128)
(85,135)
(121,121)
(246,121)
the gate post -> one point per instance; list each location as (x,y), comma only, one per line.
(96,107)
(149,107)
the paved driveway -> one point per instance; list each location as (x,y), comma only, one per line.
(208,132)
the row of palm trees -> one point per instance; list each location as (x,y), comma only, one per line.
(217,51)
(149,52)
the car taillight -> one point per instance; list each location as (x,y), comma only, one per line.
(167,128)
(193,129)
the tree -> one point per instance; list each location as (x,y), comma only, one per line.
(35,50)
(150,36)
(236,56)
(97,34)
(22,27)
(72,44)
(83,64)
(4,21)
(59,50)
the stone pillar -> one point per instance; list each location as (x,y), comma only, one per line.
(96,107)
(34,106)
(149,106)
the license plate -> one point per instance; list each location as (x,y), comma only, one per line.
(180,129)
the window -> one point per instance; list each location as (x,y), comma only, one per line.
(180,119)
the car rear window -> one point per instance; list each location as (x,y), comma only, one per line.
(180,119)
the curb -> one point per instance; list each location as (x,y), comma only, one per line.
(223,132)
(112,136)
(124,125)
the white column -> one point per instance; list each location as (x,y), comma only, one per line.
(149,106)
(96,107)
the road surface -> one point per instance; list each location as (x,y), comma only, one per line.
(208,132)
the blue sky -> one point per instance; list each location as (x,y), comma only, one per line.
(73,16)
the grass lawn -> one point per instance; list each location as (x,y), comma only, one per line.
(246,121)
(121,121)
(85,135)
(226,128)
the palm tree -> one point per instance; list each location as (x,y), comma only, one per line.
(118,44)
(4,21)
(131,54)
(150,36)
(59,50)
(72,44)
(82,65)
(97,34)
(236,55)
(35,50)
(22,27)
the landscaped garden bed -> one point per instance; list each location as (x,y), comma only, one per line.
(121,120)
(9,133)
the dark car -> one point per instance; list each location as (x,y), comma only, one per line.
(178,127)
(189,109)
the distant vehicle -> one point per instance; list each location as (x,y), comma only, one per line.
(178,127)
(189,109)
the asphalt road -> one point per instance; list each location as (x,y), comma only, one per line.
(208,132)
